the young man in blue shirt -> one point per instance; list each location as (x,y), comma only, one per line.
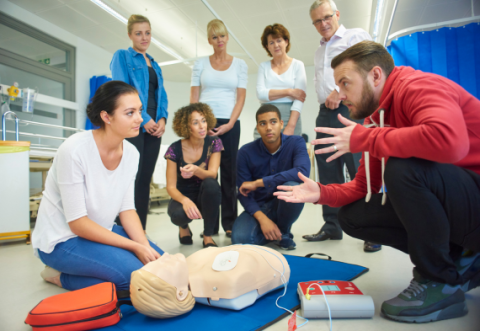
(262,165)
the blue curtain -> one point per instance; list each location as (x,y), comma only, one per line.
(95,83)
(450,52)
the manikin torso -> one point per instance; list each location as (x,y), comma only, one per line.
(257,271)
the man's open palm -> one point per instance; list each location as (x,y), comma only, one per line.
(309,191)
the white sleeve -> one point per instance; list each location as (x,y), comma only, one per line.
(300,83)
(197,72)
(361,35)
(262,91)
(242,71)
(128,202)
(71,183)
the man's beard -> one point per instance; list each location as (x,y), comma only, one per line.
(367,104)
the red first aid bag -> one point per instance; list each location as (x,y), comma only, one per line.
(89,308)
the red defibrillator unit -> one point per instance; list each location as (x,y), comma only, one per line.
(344,298)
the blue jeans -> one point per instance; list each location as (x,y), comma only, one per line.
(247,230)
(85,263)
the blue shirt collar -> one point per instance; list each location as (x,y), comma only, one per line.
(264,148)
(135,53)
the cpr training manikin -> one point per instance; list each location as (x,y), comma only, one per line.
(231,277)
(160,288)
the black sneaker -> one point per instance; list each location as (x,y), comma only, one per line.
(469,267)
(287,242)
(426,301)
(370,247)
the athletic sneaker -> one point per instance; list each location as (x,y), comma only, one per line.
(469,267)
(426,301)
(287,242)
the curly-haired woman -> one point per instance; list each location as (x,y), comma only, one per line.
(192,167)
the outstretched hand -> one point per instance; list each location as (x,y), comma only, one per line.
(309,191)
(340,139)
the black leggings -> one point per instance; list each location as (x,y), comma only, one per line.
(228,174)
(148,146)
(432,213)
(207,201)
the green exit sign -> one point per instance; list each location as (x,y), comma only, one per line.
(45,61)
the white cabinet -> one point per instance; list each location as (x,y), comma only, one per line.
(14,190)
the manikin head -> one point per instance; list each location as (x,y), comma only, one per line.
(160,288)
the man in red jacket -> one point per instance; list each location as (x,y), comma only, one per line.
(423,132)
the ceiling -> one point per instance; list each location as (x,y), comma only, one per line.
(181,24)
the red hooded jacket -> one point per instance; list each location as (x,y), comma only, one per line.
(426,116)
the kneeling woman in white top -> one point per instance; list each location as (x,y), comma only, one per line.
(92,181)
(282,81)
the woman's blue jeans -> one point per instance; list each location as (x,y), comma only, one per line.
(85,263)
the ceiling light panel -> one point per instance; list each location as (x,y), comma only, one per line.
(110,10)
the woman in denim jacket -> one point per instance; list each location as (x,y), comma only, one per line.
(135,67)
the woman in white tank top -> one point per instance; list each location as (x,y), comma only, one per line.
(220,81)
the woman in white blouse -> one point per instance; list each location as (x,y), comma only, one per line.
(282,81)
(91,181)
(220,81)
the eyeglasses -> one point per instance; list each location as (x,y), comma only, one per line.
(326,19)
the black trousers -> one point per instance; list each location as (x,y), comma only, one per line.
(228,175)
(432,213)
(148,146)
(207,201)
(332,172)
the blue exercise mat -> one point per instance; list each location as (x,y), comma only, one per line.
(256,317)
